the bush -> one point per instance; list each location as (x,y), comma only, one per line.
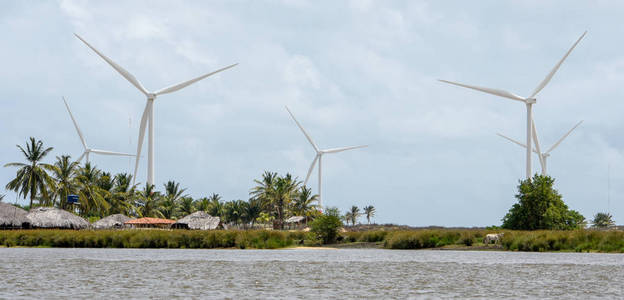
(326,228)
(540,206)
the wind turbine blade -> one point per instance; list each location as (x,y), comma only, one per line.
(563,137)
(303,130)
(182,85)
(104,152)
(537,145)
(141,136)
(311,168)
(336,150)
(81,156)
(496,92)
(554,70)
(117,67)
(82,139)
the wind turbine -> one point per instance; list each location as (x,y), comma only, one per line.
(88,150)
(148,113)
(319,156)
(543,156)
(528,101)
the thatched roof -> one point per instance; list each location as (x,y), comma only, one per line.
(112,221)
(294,219)
(198,220)
(150,221)
(50,217)
(11,216)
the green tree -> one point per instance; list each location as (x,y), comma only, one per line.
(64,173)
(603,220)
(326,227)
(540,206)
(216,207)
(31,178)
(285,190)
(304,203)
(187,206)
(355,214)
(253,208)
(148,202)
(348,216)
(92,196)
(203,204)
(265,189)
(2,197)
(369,211)
(123,195)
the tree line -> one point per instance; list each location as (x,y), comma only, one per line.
(271,201)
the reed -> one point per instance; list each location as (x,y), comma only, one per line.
(257,239)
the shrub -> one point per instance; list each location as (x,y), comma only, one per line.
(326,228)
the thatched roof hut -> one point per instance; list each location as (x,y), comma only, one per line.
(150,223)
(11,216)
(116,221)
(198,220)
(50,217)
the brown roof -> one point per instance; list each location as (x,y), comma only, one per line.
(150,221)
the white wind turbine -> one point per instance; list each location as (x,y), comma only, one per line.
(319,156)
(528,101)
(148,113)
(542,156)
(88,150)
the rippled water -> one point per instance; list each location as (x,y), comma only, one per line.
(344,273)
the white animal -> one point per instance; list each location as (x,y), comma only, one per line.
(493,237)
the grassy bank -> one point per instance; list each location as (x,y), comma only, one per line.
(542,241)
(257,239)
(535,241)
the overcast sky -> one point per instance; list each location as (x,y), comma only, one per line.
(353,72)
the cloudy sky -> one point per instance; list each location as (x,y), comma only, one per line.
(354,72)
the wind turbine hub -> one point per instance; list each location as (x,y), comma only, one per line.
(531,101)
(151,96)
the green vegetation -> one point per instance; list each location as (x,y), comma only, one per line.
(273,199)
(603,220)
(326,226)
(540,206)
(257,239)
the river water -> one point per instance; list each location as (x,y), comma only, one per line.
(54,273)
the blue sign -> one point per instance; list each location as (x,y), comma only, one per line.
(72,199)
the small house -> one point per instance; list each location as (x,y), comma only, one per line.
(11,216)
(51,217)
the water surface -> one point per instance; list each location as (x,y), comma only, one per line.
(345,273)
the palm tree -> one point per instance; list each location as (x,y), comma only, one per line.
(123,195)
(202,204)
(355,214)
(32,179)
(173,190)
(92,196)
(369,211)
(285,190)
(304,203)
(147,204)
(216,207)
(264,189)
(64,173)
(187,206)
(2,197)
(253,208)
(348,216)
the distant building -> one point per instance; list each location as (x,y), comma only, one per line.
(150,223)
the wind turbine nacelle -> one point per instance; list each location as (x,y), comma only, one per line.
(531,100)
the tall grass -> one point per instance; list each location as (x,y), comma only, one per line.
(258,239)
(544,240)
